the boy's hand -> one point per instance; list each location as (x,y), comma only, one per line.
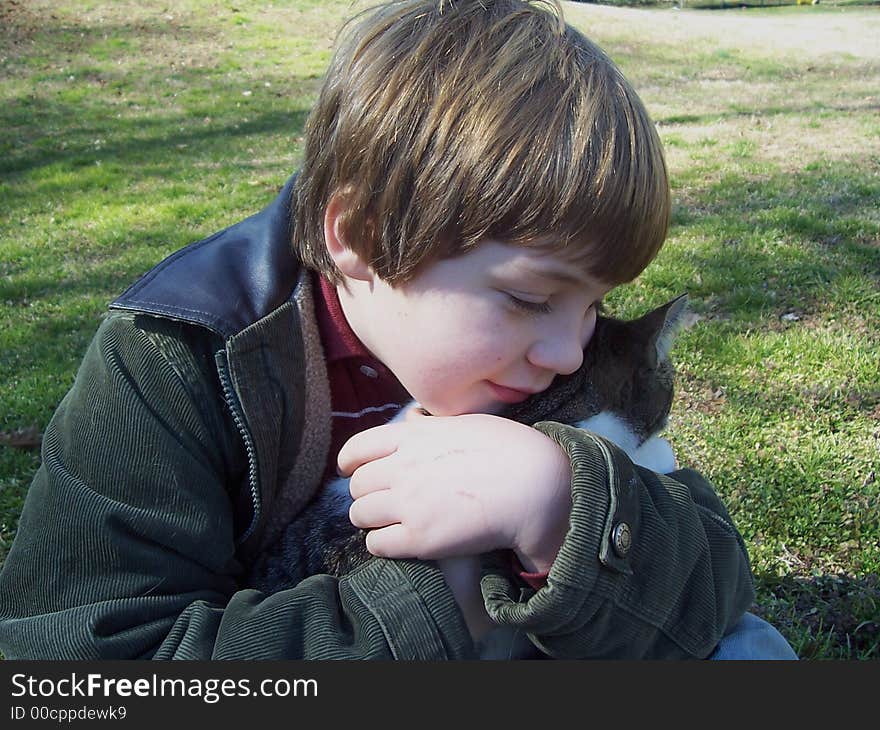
(434,487)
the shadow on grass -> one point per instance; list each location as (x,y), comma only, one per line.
(78,302)
(773,243)
(115,114)
(151,143)
(819,613)
(132,93)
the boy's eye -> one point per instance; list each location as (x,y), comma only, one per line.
(529,306)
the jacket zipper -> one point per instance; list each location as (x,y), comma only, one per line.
(235,410)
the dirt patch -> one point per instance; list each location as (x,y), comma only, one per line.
(18,23)
(807,36)
(22,438)
(788,140)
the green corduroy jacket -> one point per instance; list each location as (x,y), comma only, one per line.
(199,424)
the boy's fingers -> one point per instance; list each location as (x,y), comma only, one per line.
(390,542)
(376,509)
(370,477)
(366,446)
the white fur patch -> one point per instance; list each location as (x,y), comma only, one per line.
(613,428)
(655,454)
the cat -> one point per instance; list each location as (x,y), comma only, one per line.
(622,391)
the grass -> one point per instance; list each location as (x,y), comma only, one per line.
(131,129)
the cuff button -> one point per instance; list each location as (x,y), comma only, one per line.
(621,539)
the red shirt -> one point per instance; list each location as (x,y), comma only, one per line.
(363,392)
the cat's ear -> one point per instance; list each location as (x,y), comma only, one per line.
(668,321)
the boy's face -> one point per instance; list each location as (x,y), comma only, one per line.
(477,332)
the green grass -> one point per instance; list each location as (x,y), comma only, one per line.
(131,129)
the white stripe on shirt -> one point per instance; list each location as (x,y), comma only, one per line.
(364,411)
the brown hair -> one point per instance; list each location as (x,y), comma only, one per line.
(446,123)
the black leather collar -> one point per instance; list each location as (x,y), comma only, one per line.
(227,281)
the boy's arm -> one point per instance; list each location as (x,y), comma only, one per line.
(651,565)
(125,547)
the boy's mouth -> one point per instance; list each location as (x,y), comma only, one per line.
(508,395)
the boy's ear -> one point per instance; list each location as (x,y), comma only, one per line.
(338,244)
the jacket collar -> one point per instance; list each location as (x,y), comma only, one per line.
(247,285)
(227,281)
(276,368)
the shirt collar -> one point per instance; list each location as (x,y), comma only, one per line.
(339,340)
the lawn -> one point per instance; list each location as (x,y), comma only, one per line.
(133,128)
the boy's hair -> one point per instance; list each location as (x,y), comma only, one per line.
(446,123)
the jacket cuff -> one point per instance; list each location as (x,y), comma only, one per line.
(595,551)
(414,608)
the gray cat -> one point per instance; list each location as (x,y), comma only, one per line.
(622,391)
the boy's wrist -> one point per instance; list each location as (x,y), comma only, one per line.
(539,562)
(539,541)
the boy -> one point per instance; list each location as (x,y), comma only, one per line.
(477,176)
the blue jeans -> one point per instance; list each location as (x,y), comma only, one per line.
(753,638)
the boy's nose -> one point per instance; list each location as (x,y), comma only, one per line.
(560,353)
(560,347)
